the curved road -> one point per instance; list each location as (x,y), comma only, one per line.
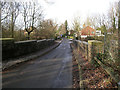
(53,70)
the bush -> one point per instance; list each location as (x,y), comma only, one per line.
(99,38)
(90,38)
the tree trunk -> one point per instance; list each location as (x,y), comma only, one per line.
(105,40)
(28,36)
(12,26)
(20,35)
(0,22)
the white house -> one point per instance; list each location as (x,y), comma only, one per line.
(98,33)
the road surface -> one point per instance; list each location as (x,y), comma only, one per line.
(52,70)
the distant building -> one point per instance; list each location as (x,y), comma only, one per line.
(98,33)
(87,31)
(109,31)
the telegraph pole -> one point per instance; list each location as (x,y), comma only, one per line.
(0,21)
(119,32)
(119,38)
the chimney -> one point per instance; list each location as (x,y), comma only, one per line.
(84,25)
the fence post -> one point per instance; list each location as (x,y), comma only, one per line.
(86,51)
(90,50)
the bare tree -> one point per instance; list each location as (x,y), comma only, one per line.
(9,13)
(2,7)
(31,13)
(113,16)
(61,30)
(88,21)
(47,29)
(14,12)
(4,10)
(76,25)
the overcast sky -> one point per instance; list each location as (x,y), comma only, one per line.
(61,10)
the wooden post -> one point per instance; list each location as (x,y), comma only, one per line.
(86,51)
(90,50)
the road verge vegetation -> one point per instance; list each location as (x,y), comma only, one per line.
(92,75)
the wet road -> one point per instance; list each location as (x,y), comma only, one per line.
(53,70)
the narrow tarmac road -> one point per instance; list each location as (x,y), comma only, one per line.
(53,70)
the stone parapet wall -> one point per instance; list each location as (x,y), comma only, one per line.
(11,49)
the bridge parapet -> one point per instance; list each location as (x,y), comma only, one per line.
(82,46)
(94,47)
(89,49)
(13,49)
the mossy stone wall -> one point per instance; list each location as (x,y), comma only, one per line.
(11,49)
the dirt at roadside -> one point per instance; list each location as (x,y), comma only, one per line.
(93,77)
(75,74)
(96,77)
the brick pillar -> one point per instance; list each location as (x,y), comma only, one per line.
(94,47)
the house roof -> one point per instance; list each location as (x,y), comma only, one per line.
(87,31)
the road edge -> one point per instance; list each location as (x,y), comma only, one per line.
(25,59)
